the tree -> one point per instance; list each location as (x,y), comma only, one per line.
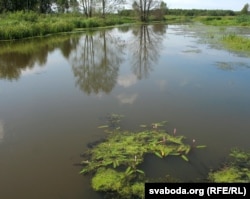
(159,13)
(62,5)
(87,7)
(245,9)
(14,5)
(143,8)
(45,6)
(111,6)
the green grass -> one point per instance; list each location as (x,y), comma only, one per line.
(173,19)
(236,42)
(30,24)
(241,20)
(22,24)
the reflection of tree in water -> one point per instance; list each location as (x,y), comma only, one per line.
(18,56)
(146,48)
(11,64)
(96,61)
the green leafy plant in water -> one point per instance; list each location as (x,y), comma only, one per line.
(113,121)
(237,170)
(114,162)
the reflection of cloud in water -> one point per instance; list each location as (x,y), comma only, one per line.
(1,131)
(184,82)
(127,80)
(162,84)
(192,51)
(32,71)
(127,98)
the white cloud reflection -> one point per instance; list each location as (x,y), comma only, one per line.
(162,84)
(127,98)
(127,80)
(32,71)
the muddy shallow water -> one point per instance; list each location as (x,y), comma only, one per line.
(56,91)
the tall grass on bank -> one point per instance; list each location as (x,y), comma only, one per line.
(240,20)
(236,42)
(30,24)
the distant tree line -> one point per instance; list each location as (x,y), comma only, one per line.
(186,12)
(199,12)
(142,8)
(42,6)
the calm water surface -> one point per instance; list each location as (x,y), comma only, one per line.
(56,91)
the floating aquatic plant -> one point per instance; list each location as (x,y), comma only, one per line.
(236,170)
(113,121)
(114,162)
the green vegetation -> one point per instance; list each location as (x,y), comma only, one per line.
(236,42)
(115,162)
(237,170)
(240,20)
(21,24)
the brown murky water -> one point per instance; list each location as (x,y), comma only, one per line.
(55,91)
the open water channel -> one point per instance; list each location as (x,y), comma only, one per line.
(56,91)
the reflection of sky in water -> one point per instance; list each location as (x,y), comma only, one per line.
(188,86)
(34,70)
(126,98)
(1,130)
(126,80)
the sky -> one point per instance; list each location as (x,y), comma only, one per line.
(235,5)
